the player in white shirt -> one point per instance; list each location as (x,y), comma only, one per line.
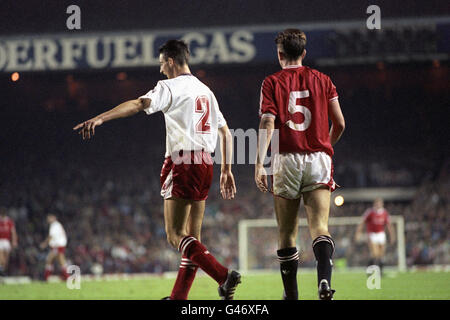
(190,111)
(193,121)
(57,241)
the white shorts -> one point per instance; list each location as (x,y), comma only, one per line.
(5,245)
(295,173)
(377,237)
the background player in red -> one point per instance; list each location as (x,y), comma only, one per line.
(376,220)
(299,101)
(8,239)
(193,121)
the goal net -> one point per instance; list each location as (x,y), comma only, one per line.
(258,243)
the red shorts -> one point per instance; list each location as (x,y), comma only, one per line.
(189,176)
(59,250)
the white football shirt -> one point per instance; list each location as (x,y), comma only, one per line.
(191,113)
(57,235)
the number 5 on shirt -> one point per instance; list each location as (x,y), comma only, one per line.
(294,107)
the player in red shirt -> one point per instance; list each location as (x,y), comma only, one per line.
(8,239)
(376,220)
(298,102)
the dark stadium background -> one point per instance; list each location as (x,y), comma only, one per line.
(106,191)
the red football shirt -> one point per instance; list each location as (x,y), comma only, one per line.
(376,220)
(6,226)
(298,97)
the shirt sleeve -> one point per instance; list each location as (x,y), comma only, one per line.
(331,90)
(267,105)
(160,98)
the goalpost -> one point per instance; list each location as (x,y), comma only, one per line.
(258,244)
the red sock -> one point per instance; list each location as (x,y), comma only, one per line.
(64,274)
(47,273)
(195,251)
(185,277)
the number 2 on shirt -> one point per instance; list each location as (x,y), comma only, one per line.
(294,107)
(202,106)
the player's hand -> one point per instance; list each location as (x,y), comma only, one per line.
(227,185)
(261,178)
(87,128)
(357,237)
(43,245)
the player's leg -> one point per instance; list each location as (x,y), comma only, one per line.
(372,252)
(61,258)
(286,211)
(375,241)
(5,248)
(287,219)
(176,212)
(188,269)
(2,262)
(232,278)
(6,260)
(317,205)
(192,181)
(49,264)
(381,252)
(195,219)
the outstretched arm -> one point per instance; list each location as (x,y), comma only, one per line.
(227,184)
(266,127)
(123,110)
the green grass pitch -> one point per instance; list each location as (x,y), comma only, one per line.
(349,286)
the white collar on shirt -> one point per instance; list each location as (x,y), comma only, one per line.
(292,66)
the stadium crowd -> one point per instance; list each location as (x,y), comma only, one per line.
(116,222)
(106,192)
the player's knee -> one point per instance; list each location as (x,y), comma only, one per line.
(171,240)
(320,230)
(174,238)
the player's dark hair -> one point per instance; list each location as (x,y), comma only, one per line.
(177,50)
(293,42)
